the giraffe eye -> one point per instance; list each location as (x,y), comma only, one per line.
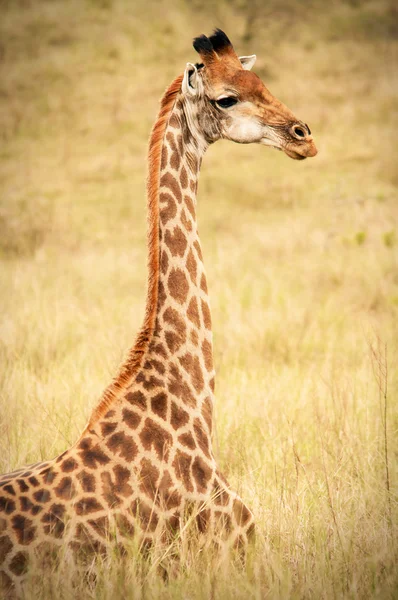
(226,102)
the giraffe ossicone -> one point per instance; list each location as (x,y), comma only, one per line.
(145,458)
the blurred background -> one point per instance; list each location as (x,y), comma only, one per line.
(301,257)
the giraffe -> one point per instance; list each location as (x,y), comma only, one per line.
(145,457)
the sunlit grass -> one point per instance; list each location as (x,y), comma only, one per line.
(302,265)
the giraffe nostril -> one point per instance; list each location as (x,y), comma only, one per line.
(299,131)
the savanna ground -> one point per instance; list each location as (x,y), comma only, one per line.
(302,265)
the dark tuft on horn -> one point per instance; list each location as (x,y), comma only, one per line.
(219,40)
(203,45)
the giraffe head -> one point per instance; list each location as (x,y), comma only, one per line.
(224,99)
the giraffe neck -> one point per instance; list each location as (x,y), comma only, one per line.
(173,353)
(183,321)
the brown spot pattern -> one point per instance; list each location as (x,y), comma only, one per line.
(41,496)
(190,206)
(153,435)
(167,180)
(49,475)
(5,547)
(147,516)
(65,489)
(107,428)
(100,526)
(159,405)
(53,520)
(173,341)
(19,563)
(24,529)
(178,285)
(87,481)
(206,315)
(167,497)
(179,417)
(136,399)
(92,456)
(22,485)
(164,262)
(148,477)
(131,418)
(241,513)
(192,366)
(193,312)
(221,497)
(202,474)
(207,412)
(6,583)
(186,439)
(26,504)
(158,366)
(183,177)
(198,250)
(168,208)
(207,355)
(174,121)
(179,387)
(176,241)
(69,465)
(110,490)
(182,468)
(7,505)
(223,521)
(180,144)
(175,159)
(192,267)
(172,317)
(122,478)
(161,295)
(87,505)
(159,350)
(125,527)
(185,221)
(201,437)
(203,519)
(123,445)
(164,155)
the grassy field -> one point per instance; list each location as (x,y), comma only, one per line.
(302,265)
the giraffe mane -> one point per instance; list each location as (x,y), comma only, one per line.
(135,355)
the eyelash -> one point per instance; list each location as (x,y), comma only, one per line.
(226,102)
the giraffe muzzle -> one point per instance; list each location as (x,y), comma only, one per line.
(300,144)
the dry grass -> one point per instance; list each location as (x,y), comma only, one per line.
(302,264)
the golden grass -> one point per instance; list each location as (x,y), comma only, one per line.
(302,265)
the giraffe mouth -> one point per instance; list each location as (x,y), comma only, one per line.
(293,154)
(307,149)
(297,150)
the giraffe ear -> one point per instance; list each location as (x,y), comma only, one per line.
(247,62)
(191,82)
